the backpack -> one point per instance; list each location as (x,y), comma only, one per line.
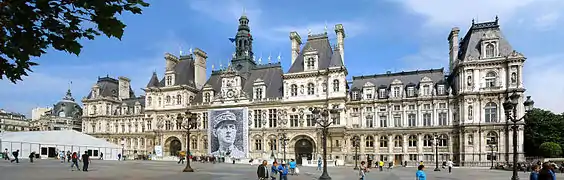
(74,156)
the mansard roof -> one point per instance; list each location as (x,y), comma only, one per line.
(327,58)
(109,87)
(183,73)
(407,77)
(470,45)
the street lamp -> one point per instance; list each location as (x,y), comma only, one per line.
(356,143)
(491,143)
(510,107)
(437,138)
(283,141)
(122,149)
(188,121)
(263,130)
(322,119)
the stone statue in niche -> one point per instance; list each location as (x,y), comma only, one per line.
(302,89)
(513,77)
(469,81)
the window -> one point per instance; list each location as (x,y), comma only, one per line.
(383,121)
(490,51)
(368,109)
(336,85)
(427,106)
(427,140)
(336,118)
(258,93)
(491,112)
(309,120)
(368,96)
(412,107)
(258,144)
(310,63)
(324,87)
(470,112)
(272,119)
(413,157)
(369,121)
(293,90)
(442,105)
(191,99)
(310,89)
(491,138)
(398,141)
(490,79)
(169,80)
(381,93)
(426,90)
(355,95)
(427,119)
(397,107)
(410,91)
(205,120)
(257,119)
(412,141)
(272,144)
(442,140)
(441,89)
(369,141)
(411,120)
(178,99)
(355,110)
(193,143)
(443,119)
(167,99)
(383,141)
(294,120)
(382,108)
(396,92)
(397,120)
(205,142)
(207,97)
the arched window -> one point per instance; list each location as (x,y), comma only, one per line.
(398,141)
(427,140)
(293,90)
(167,100)
(442,140)
(258,144)
(191,99)
(491,138)
(490,79)
(149,100)
(369,141)
(205,143)
(336,85)
(383,141)
(207,97)
(490,50)
(470,112)
(412,141)
(178,99)
(491,112)
(310,89)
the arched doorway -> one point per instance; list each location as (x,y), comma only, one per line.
(303,148)
(173,146)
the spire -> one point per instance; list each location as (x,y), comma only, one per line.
(213,67)
(260,59)
(68,96)
(180,49)
(325,27)
(269,57)
(154,81)
(279,56)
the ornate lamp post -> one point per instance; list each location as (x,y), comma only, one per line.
(492,143)
(437,139)
(283,140)
(356,143)
(263,129)
(282,120)
(510,107)
(123,148)
(322,119)
(188,121)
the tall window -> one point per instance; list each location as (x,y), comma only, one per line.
(293,90)
(381,93)
(272,119)
(149,125)
(426,90)
(490,79)
(258,93)
(149,100)
(257,119)
(443,119)
(205,120)
(491,112)
(383,121)
(207,97)
(411,120)
(397,121)
(193,143)
(258,144)
(491,138)
(427,140)
(178,99)
(369,141)
(427,119)
(336,85)
(355,95)
(205,142)
(310,63)
(336,118)
(410,91)
(412,141)
(383,141)
(369,121)
(294,120)
(398,141)
(442,140)
(490,49)
(310,89)
(396,91)
(441,89)
(272,144)
(309,120)
(167,99)
(168,80)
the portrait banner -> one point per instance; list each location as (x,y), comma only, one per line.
(228,133)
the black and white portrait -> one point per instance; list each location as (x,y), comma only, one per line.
(228,132)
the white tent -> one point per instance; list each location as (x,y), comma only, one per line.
(48,144)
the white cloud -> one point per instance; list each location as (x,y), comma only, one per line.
(543,77)
(352,29)
(547,21)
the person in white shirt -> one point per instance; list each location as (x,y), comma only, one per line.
(449,164)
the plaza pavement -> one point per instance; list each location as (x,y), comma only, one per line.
(166,170)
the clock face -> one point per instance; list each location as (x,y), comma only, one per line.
(230,93)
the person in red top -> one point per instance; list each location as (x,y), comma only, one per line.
(74,159)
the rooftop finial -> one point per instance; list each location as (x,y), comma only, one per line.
(244,12)
(213,67)
(269,57)
(496,19)
(190,50)
(260,59)
(309,31)
(180,49)
(325,26)
(472,21)
(279,56)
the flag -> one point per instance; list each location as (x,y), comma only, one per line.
(232,40)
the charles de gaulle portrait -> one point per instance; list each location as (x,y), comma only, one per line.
(225,130)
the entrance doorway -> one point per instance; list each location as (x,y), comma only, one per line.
(398,159)
(52,152)
(173,146)
(303,148)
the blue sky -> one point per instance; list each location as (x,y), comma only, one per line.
(388,35)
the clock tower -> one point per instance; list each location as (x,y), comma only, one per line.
(242,60)
(231,85)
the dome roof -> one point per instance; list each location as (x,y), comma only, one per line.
(67,107)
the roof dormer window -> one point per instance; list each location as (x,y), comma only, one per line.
(490,50)
(207,97)
(381,93)
(293,90)
(396,92)
(310,89)
(258,93)
(410,91)
(426,90)
(169,80)
(310,63)
(355,95)
(441,89)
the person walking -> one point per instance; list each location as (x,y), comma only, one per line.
(534,173)
(546,173)
(381,165)
(62,156)
(85,161)
(319,162)
(362,170)
(274,170)
(31,156)
(6,154)
(119,157)
(283,170)
(292,167)
(68,156)
(420,174)
(16,154)
(262,171)
(101,156)
(74,160)
(449,163)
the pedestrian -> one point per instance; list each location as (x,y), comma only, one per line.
(449,163)
(101,156)
(119,157)
(292,167)
(381,165)
(85,161)
(262,171)
(420,174)
(180,158)
(274,170)
(362,170)
(62,156)
(546,173)
(68,156)
(31,156)
(6,154)
(283,169)
(319,164)
(74,159)
(16,154)
(535,172)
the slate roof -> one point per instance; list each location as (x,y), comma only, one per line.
(470,46)
(407,78)
(183,73)
(109,88)
(327,58)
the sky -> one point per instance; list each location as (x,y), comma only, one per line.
(386,35)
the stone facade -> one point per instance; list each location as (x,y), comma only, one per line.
(399,116)
(10,121)
(64,115)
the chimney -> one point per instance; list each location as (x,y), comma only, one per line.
(453,46)
(200,68)
(171,61)
(123,87)
(340,31)
(296,42)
